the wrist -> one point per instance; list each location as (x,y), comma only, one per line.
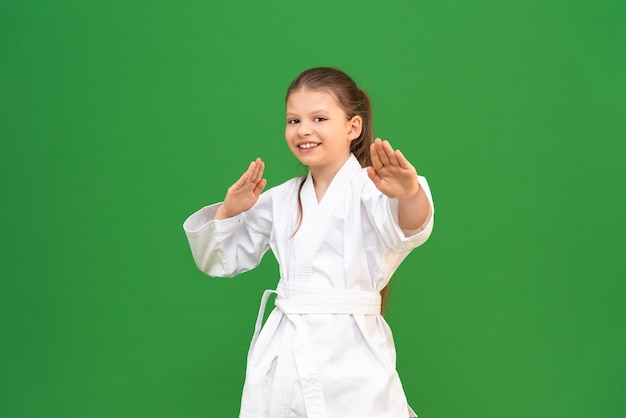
(412,194)
(222,213)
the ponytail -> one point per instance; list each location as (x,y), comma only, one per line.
(360,147)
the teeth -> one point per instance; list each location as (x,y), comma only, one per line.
(306,146)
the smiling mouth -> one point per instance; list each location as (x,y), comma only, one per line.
(307,145)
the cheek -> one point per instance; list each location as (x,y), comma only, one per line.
(289,133)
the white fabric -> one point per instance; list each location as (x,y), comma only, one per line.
(324,351)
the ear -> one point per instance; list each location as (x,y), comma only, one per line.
(356,126)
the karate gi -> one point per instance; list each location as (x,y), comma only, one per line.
(325,350)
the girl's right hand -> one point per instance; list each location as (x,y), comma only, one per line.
(242,195)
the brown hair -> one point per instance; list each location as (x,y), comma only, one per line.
(355,102)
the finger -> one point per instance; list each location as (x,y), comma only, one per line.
(260,168)
(260,186)
(250,170)
(390,153)
(254,173)
(382,153)
(402,161)
(244,177)
(376,163)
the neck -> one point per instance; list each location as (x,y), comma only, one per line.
(323,176)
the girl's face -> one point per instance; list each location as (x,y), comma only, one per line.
(318,130)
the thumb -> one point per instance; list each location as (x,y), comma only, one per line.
(373,175)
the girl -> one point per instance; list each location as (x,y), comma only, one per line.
(338,235)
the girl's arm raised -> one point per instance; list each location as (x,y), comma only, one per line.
(395,177)
(242,195)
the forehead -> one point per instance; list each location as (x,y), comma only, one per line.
(309,100)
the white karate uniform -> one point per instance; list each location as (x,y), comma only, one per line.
(325,350)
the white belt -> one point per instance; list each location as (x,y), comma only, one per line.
(294,300)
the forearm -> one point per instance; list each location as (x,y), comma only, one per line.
(413,210)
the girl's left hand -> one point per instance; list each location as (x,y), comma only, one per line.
(391,172)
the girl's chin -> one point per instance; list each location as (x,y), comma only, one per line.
(304,158)
(303,161)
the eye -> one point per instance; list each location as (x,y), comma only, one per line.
(292,121)
(319,119)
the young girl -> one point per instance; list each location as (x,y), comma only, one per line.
(338,235)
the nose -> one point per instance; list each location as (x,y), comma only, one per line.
(304,128)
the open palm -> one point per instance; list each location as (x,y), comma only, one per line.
(245,192)
(391,172)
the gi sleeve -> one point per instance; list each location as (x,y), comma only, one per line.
(383,213)
(228,247)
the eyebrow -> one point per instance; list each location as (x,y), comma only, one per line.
(313,112)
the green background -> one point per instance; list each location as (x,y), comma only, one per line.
(118,119)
